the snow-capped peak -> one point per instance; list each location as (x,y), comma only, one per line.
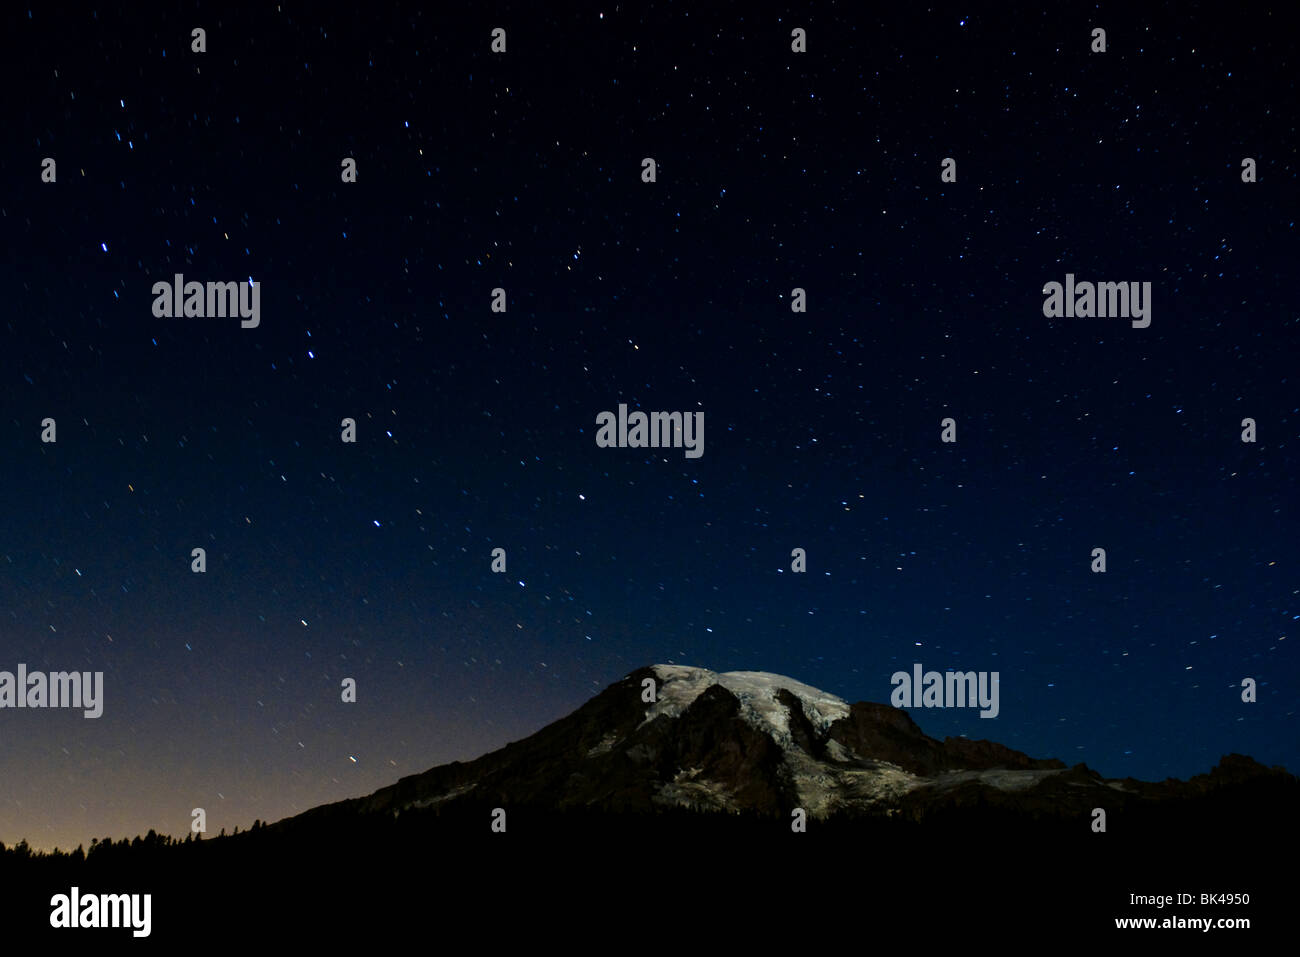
(679,685)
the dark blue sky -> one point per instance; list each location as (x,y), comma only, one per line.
(477,429)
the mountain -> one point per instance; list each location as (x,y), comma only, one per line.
(760,744)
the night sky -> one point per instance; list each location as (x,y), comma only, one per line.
(476,429)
